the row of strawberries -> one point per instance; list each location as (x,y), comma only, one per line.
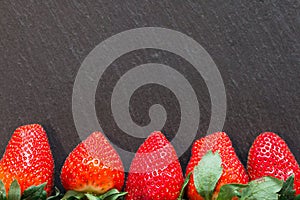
(94,170)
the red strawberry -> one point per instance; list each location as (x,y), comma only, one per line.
(155,172)
(269,155)
(233,169)
(28,159)
(93,166)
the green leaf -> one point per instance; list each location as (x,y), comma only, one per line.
(207,173)
(112,194)
(14,192)
(185,183)
(35,193)
(92,197)
(287,191)
(57,193)
(228,191)
(2,191)
(265,188)
(109,193)
(297,197)
(71,194)
(115,196)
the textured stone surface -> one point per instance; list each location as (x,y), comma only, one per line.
(255,45)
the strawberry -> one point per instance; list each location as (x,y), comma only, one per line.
(93,166)
(155,172)
(28,159)
(232,170)
(269,155)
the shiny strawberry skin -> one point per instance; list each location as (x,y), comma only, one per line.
(28,159)
(233,169)
(155,172)
(269,155)
(93,166)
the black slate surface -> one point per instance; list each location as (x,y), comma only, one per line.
(255,45)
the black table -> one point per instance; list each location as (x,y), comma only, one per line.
(254,44)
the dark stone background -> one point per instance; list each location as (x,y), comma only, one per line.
(255,45)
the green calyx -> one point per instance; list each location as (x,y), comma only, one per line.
(209,170)
(287,191)
(267,188)
(31,193)
(185,183)
(207,173)
(112,194)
